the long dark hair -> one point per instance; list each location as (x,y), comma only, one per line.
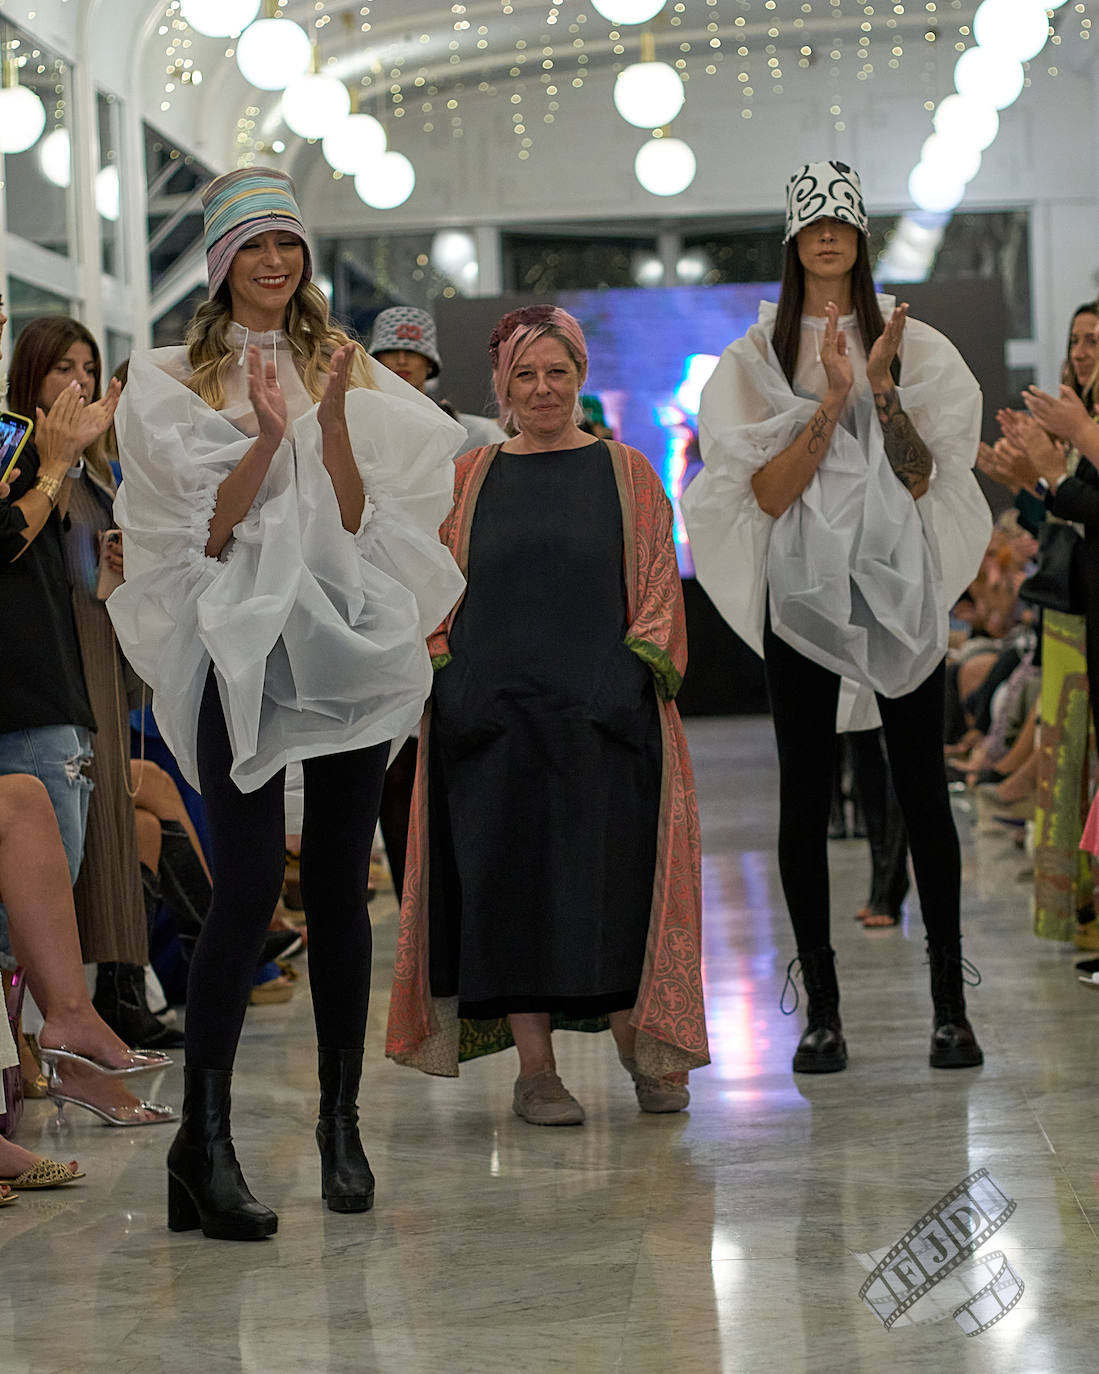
(39,346)
(786,335)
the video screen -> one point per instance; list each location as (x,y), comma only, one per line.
(12,430)
(650,352)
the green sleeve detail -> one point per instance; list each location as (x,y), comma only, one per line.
(668,677)
(441,660)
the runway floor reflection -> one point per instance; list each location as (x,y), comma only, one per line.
(722,1239)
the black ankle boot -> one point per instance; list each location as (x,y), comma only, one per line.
(822,1049)
(346,1181)
(953,1044)
(205,1185)
(120,1001)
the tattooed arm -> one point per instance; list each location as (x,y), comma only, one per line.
(779,483)
(908,455)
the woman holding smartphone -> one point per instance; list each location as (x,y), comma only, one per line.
(51,356)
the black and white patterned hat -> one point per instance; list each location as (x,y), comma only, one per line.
(405,327)
(824,190)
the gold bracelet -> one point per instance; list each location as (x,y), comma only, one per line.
(50,487)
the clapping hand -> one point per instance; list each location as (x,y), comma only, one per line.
(1006,463)
(1064,415)
(833,353)
(879,363)
(330,411)
(265,395)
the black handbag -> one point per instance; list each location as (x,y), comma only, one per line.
(1057,583)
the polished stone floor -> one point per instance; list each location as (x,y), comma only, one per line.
(722,1239)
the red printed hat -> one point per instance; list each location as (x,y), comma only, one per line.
(405,327)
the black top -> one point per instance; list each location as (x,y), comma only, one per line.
(41,675)
(545,753)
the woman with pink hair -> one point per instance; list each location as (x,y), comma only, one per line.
(554,807)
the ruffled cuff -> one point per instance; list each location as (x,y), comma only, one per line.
(198,528)
(369,511)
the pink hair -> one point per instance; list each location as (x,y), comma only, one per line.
(517,331)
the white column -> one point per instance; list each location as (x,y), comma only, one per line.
(490,261)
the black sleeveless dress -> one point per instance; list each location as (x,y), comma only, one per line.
(545,754)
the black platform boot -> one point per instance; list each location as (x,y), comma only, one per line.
(953,1044)
(205,1185)
(120,1001)
(822,1049)
(346,1181)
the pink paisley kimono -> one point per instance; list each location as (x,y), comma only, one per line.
(426,1032)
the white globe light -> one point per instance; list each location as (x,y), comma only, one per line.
(933,189)
(648,94)
(55,158)
(108,192)
(219,18)
(1014,28)
(628,11)
(452,251)
(22,119)
(988,78)
(647,269)
(961,118)
(692,266)
(272,53)
(352,143)
(951,156)
(386,182)
(315,103)
(665,166)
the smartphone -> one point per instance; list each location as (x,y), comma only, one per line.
(14,432)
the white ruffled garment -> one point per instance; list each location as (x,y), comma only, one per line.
(317,635)
(861,577)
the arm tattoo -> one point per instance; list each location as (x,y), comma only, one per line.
(908,455)
(820,430)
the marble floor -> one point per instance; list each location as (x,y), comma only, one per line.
(723,1239)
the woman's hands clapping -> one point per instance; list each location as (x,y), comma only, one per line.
(879,362)
(834,356)
(330,411)
(1065,415)
(71,425)
(267,400)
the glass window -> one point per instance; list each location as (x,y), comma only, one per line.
(537,263)
(175,181)
(118,349)
(108,183)
(25,302)
(39,181)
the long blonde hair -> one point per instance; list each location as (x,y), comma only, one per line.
(309,330)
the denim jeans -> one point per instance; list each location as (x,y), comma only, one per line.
(58,755)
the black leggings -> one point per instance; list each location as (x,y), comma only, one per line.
(804,697)
(247,859)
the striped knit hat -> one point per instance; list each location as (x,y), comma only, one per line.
(242,204)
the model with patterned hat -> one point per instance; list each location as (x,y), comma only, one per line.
(281,498)
(836,520)
(405,340)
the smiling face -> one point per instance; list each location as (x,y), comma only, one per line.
(263,276)
(1083,346)
(77,364)
(543,388)
(827,249)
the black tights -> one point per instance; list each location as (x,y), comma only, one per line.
(804,697)
(247,859)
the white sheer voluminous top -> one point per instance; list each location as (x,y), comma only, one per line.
(317,635)
(860,576)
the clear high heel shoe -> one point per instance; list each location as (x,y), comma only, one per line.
(142,1114)
(140,1061)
